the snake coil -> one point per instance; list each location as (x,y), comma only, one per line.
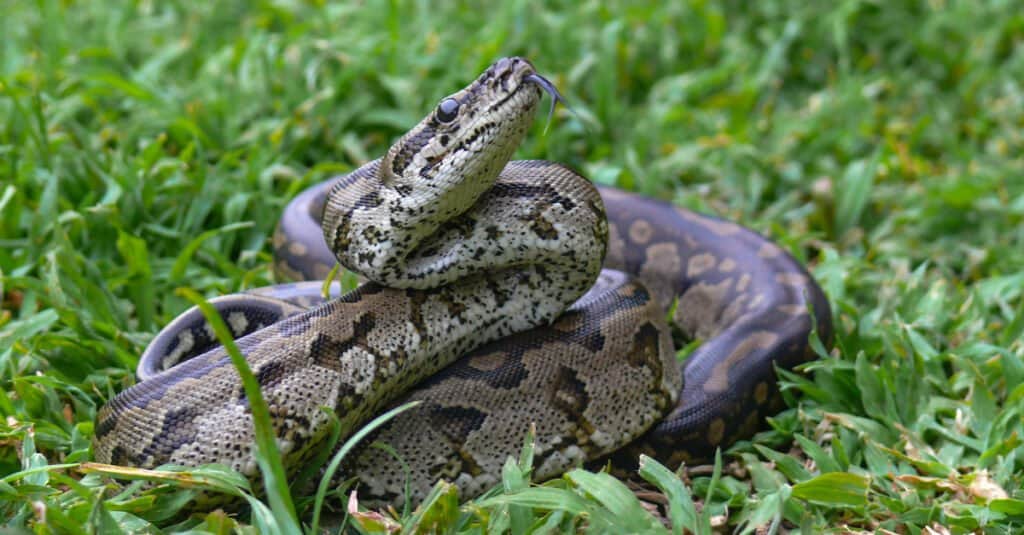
(499,263)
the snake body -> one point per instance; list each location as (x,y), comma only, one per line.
(500,263)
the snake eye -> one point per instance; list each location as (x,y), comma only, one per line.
(447,110)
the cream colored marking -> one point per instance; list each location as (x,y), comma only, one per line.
(793,310)
(662,264)
(322,270)
(185,343)
(284,271)
(719,380)
(761,393)
(640,232)
(698,309)
(744,281)
(358,369)
(279,239)
(699,264)
(665,255)
(791,279)
(603,440)
(727,265)
(769,250)
(716,431)
(488,362)
(734,309)
(691,242)
(238,322)
(297,249)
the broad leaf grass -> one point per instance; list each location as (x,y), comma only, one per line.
(148,146)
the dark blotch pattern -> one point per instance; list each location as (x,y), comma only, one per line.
(569,394)
(456,423)
(175,431)
(269,374)
(410,148)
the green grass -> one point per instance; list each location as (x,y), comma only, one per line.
(148,146)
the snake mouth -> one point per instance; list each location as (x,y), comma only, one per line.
(520,68)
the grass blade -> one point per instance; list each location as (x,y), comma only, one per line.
(268,456)
(332,468)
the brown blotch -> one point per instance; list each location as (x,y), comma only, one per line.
(699,263)
(646,348)
(568,392)
(488,361)
(761,393)
(640,232)
(341,237)
(493,232)
(727,265)
(456,423)
(279,239)
(699,309)
(454,307)
(569,395)
(325,352)
(569,322)
(791,279)
(270,374)
(416,301)
(719,380)
(716,431)
(769,250)
(283,271)
(792,310)
(662,265)
(543,228)
(322,270)
(733,310)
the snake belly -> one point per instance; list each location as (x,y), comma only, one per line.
(599,378)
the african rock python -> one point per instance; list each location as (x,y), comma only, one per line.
(473,255)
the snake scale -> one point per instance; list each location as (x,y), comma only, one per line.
(552,297)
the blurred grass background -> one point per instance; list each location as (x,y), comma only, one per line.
(146,146)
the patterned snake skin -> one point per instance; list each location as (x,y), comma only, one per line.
(472,255)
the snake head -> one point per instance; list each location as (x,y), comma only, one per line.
(457,151)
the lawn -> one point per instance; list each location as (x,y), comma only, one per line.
(148,146)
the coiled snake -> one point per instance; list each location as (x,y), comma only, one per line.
(472,255)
